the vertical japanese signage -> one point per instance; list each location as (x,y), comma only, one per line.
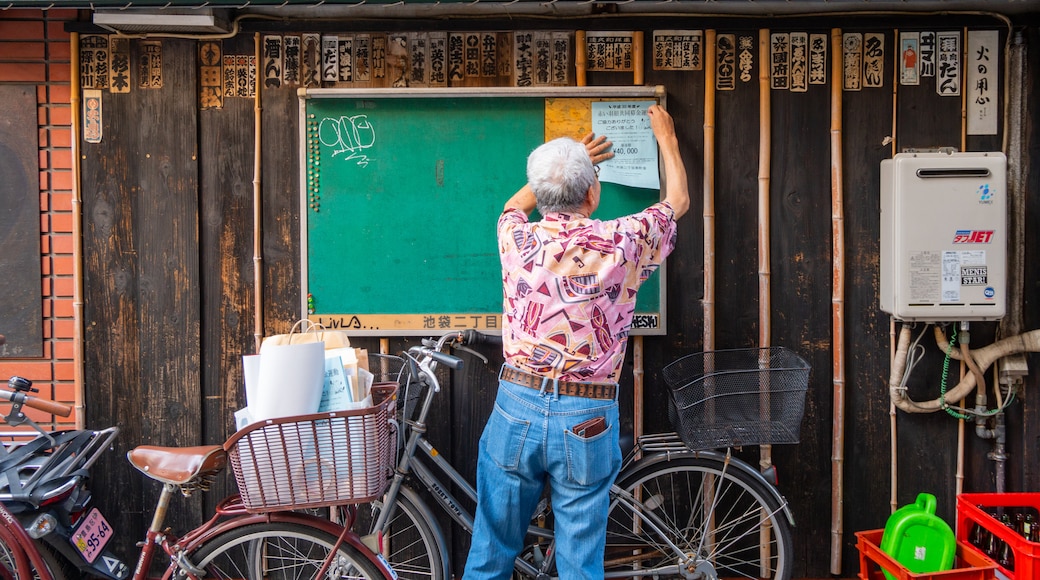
(982,81)
(779,60)
(678,49)
(725,63)
(817,59)
(609,51)
(873,60)
(948,67)
(852,61)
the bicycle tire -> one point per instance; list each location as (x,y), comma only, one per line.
(279,551)
(9,565)
(727,538)
(59,567)
(8,568)
(414,544)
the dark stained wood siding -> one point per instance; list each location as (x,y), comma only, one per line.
(143,354)
(169,263)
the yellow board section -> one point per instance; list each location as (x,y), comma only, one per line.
(432,324)
(570,116)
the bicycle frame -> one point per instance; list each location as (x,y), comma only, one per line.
(239,517)
(17,540)
(659,448)
(229,514)
(202,465)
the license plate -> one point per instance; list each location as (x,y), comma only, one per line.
(92,535)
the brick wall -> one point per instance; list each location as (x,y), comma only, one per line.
(35,49)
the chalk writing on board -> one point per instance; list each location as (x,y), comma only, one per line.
(349,135)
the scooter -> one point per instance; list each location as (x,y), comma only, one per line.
(43,482)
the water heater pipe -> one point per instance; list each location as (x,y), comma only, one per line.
(984,358)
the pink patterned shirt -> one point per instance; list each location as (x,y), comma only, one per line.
(570,286)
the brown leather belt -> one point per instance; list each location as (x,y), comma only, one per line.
(586,390)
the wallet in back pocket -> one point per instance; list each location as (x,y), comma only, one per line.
(590,428)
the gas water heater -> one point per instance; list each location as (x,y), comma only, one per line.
(944,236)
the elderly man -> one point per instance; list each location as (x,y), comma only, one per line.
(570,286)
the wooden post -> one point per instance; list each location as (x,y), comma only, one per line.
(579,58)
(637,58)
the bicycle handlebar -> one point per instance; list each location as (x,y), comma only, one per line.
(451,361)
(52,407)
(475,337)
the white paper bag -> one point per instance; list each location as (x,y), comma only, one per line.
(251,374)
(291,379)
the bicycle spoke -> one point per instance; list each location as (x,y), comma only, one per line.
(279,552)
(715,516)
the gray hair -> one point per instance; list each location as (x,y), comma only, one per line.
(560,174)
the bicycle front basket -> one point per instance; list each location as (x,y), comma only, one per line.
(730,398)
(317,460)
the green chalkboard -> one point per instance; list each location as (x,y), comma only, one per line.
(402,191)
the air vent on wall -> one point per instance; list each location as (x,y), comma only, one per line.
(169,20)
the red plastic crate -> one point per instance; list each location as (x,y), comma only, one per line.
(1026,553)
(969,565)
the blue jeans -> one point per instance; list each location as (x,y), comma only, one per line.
(527,442)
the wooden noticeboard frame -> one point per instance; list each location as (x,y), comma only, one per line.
(401,190)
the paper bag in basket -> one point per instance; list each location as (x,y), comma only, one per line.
(307,331)
(289,381)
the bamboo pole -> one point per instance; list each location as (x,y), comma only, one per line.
(258,261)
(765,460)
(764,160)
(638,372)
(579,58)
(837,308)
(637,386)
(959,476)
(708,302)
(77,235)
(637,58)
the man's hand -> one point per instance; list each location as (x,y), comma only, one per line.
(597,147)
(676,190)
(662,124)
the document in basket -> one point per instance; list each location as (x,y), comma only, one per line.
(338,392)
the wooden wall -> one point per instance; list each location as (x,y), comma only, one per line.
(168,226)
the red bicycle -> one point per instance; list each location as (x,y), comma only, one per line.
(254,534)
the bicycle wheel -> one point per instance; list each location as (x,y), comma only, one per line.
(279,551)
(54,562)
(720,517)
(412,542)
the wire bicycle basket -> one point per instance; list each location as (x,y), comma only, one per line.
(317,460)
(731,398)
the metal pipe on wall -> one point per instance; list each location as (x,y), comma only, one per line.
(1015,135)
(893,500)
(708,301)
(77,235)
(837,309)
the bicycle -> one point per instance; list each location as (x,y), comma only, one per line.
(254,535)
(677,510)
